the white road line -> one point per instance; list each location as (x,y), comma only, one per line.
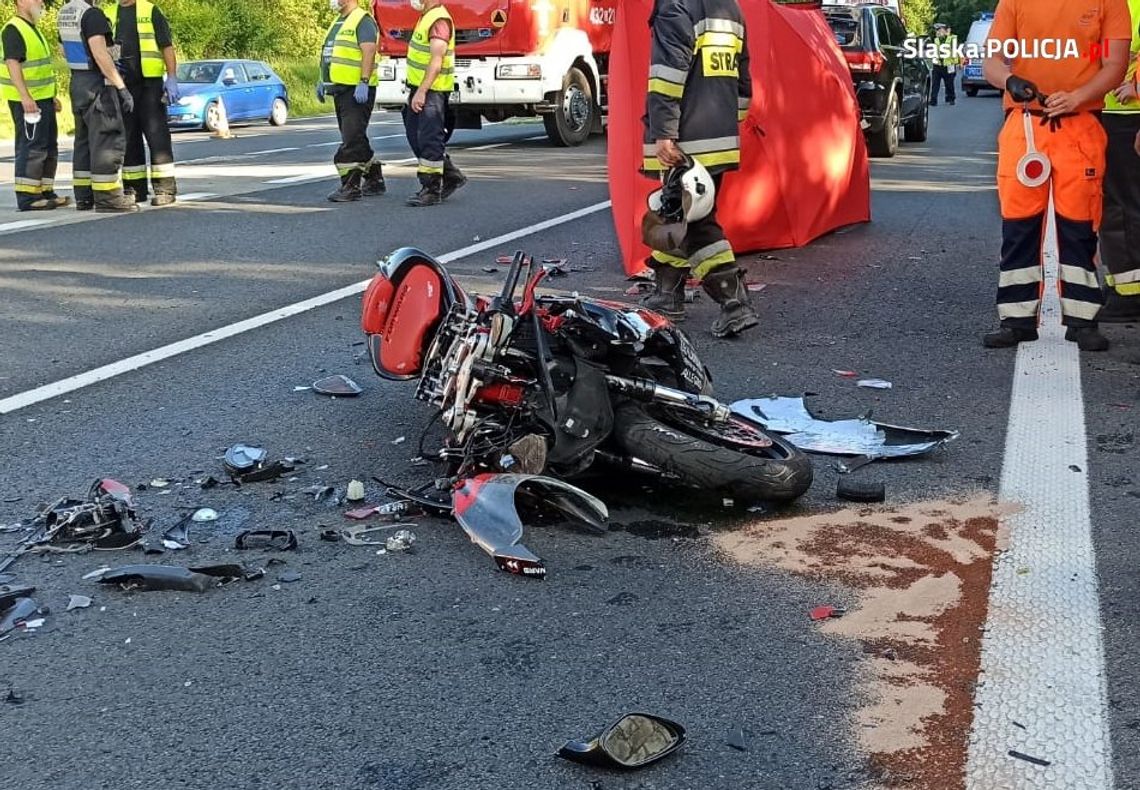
(1043,654)
(23,224)
(193,196)
(302,178)
(322,145)
(274,151)
(73,383)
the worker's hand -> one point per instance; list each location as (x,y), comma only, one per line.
(1062,102)
(172,92)
(29,105)
(668,154)
(360,95)
(1126,92)
(418,100)
(1021,90)
(126,101)
(321,92)
(58,104)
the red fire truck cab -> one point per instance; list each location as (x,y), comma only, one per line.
(513,58)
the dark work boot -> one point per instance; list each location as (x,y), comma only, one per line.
(1008,337)
(349,189)
(668,297)
(374,181)
(726,286)
(1087,338)
(431,192)
(163,199)
(1119,309)
(116,204)
(59,201)
(453,178)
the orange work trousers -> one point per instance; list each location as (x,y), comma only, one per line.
(1075,147)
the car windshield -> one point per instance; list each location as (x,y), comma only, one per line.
(845,27)
(203,73)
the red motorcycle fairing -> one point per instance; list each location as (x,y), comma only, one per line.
(402,308)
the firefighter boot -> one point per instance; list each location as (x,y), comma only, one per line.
(431,191)
(453,178)
(117,204)
(668,297)
(373,181)
(349,188)
(726,286)
(1009,336)
(1119,309)
(1087,338)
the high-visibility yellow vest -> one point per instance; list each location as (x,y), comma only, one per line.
(1110,102)
(345,58)
(152,62)
(39,74)
(419,53)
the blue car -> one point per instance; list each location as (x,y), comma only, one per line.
(248,89)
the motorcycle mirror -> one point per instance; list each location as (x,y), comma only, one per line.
(633,741)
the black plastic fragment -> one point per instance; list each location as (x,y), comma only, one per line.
(10,594)
(157,577)
(273,539)
(736,739)
(1029,758)
(20,610)
(339,386)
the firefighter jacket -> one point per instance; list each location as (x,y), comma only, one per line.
(699,85)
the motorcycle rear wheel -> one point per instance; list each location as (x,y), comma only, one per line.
(715,458)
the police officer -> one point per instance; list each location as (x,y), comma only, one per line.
(945,64)
(99,97)
(431,78)
(27,81)
(1066,131)
(1120,226)
(699,91)
(348,74)
(146,53)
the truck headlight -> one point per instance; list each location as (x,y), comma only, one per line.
(519,71)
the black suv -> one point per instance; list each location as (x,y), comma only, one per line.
(891,87)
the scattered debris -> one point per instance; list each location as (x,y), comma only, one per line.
(178,536)
(847,374)
(401,508)
(17,615)
(208,483)
(874,384)
(1029,758)
(1074,468)
(14,697)
(204,514)
(273,539)
(356,536)
(824,612)
(857,436)
(288,577)
(633,741)
(246,464)
(230,572)
(403,540)
(861,490)
(355,491)
(155,577)
(756,287)
(338,386)
(399,440)
(331,535)
(736,739)
(78,602)
(319,492)
(159,483)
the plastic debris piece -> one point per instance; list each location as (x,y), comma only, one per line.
(78,602)
(358,536)
(288,577)
(338,385)
(204,514)
(96,574)
(490,270)
(847,374)
(403,540)
(331,535)
(874,384)
(159,483)
(157,577)
(20,611)
(355,491)
(736,739)
(10,594)
(756,287)
(14,697)
(824,612)
(1029,758)
(399,440)
(208,483)
(633,741)
(319,492)
(230,571)
(274,539)
(861,490)
(301,389)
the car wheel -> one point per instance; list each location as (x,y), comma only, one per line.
(279,112)
(885,142)
(213,117)
(574,110)
(971,92)
(916,128)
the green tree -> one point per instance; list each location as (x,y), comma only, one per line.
(960,13)
(919,15)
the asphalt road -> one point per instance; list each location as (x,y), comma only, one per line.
(433,670)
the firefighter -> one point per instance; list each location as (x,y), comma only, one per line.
(99,98)
(699,91)
(1062,97)
(431,78)
(945,65)
(1120,226)
(348,74)
(146,54)
(27,80)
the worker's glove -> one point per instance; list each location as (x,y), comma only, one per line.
(360,95)
(172,94)
(126,101)
(321,92)
(1021,89)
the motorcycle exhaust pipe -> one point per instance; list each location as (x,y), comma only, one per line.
(647,391)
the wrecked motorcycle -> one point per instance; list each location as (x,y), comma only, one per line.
(534,384)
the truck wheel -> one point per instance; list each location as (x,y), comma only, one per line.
(574,109)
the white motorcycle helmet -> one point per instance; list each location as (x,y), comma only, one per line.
(687,193)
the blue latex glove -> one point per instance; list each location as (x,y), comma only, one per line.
(360,95)
(321,92)
(172,92)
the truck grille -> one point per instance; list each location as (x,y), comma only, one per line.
(461,36)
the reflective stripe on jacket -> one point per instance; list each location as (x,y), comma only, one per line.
(419,53)
(345,60)
(152,62)
(699,83)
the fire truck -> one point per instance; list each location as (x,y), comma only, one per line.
(513,58)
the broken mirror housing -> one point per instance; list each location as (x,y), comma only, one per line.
(633,741)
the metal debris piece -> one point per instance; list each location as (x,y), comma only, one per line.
(339,386)
(204,514)
(824,612)
(156,577)
(247,464)
(403,540)
(357,536)
(1029,758)
(273,539)
(78,602)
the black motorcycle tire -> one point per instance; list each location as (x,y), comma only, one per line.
(780,473)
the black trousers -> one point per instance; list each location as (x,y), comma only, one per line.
(148,121)
(100,141)
(36,159)
(426,131)
(1120,225)
(355,153)
(942,76)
